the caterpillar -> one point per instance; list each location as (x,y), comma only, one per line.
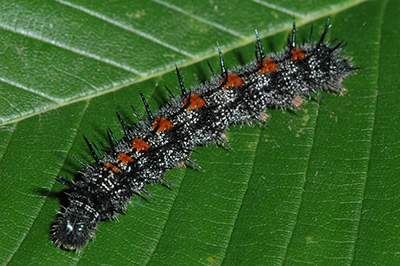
(200,116)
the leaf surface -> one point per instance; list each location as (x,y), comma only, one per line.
(318,186)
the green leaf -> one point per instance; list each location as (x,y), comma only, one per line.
(320,186)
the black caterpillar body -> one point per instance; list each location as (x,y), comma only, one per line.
(167,138)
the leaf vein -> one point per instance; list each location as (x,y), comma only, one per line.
(125,27)
(208,22)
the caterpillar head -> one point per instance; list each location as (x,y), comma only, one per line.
(75,226)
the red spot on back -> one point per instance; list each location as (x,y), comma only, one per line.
(297,101)
(233,81)
(268,66)
(162,123)
(139,145)
(196,102)
(113,167)
(124,158)
(298,53)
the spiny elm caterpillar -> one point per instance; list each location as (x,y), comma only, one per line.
(167,138)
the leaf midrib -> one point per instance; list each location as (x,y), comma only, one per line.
(245,40)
